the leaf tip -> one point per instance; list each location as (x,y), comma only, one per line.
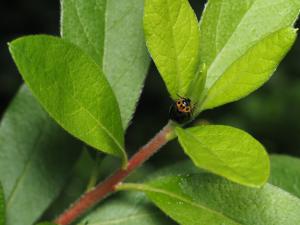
(10,46)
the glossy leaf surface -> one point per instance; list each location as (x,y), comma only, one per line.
(226,151)
(72,88)
(236,33)
(111,32)
(172,37)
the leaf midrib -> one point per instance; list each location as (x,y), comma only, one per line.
(228,40)
(147,188)
(72,95)
(235,61)
(221,160)
(99,123)
(86,33)
(83,107)
(173,43)
(27,164)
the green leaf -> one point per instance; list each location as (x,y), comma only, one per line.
(226,151)
(178,168)
(172,37)
(95,26)
(199,199)
(126,209)
(196,89)
(36,156)
(73,90)
(285,173)
(251,70)
(83,23)
(230,30)
(2,206)
(46,223)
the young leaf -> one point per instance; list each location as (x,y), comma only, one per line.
(285,173)
(73,90)
(95,26)
(126,209)
(36,156)
(226,151)
(172,37)
(2,206)
(230,28)
(196,91)
(199,199)
(251,70)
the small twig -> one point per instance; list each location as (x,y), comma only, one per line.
(92,197)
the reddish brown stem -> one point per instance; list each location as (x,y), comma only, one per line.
(91,198)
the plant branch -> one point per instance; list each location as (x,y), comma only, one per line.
(94,196)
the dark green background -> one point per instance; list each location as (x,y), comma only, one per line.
(271,114)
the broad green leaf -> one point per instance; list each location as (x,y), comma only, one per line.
(2,206)
(36,156)
(196,91)
(126,209)
(251,70)
(177,168)
(172,37)
(83,23)
(95,26)
(230,28)
(285,173)
(73,90)
(198,199)
(226,151)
